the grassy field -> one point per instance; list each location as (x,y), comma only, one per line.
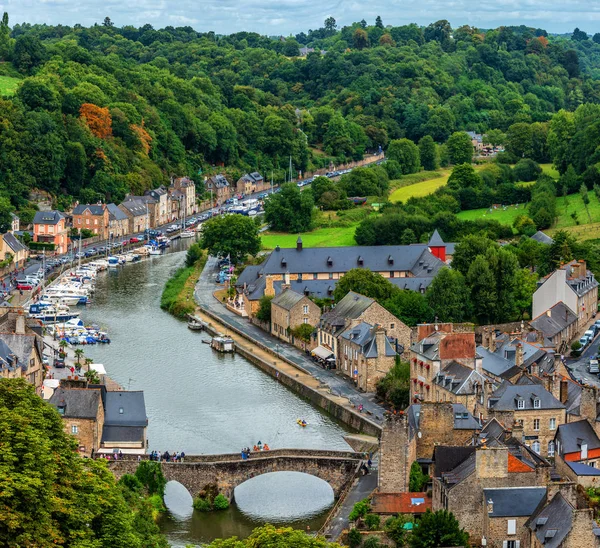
(548,169)
(320,237)
(8,85)
(504,216)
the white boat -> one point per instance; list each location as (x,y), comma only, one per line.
(64,299)
(187,234)
(113,261)
(154,250)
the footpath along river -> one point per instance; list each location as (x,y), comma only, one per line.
(199,401)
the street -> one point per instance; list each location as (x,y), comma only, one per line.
(578,366)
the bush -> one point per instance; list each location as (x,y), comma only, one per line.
(202,504)
(526,170)
(372,521)
(264,309)
(131,482)
(394,529)
(354,538)
(394,388)
(372,542)
(220,502)
(194,254)
(360,510)
(151,477)
(418,480)
(157,504)
(42,245)
(575,349)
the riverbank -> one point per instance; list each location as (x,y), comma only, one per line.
(178,295)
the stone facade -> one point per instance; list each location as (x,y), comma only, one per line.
(397,452)
(94,218)
(496,531)
(284,318)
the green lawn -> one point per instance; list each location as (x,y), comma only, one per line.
(548,169)
(320,237)
(504,216)
(8,85)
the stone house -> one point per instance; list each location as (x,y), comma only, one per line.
(10,245)
(290,310)
(506,512)
(176,204)
(15,223)
(82,414)
(160,196)
(118,222)
(413,435)
(188,188)
(365,354)
(578,442)
(560,525)
(93,217)
(250,183)
(220,187)
(579,473)
(436,348)
(138,216)
(125,422)
(364,309)
(27,348)
(533,409)
(51,227)
(558,324)
(572,284)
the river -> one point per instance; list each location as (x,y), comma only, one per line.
(199,401)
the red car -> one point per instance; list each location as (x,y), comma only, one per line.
(26,286)
(134,240)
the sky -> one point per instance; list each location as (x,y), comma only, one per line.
(284,17)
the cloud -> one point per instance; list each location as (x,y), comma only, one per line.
(293,16)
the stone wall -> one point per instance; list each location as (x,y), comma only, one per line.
(396,455)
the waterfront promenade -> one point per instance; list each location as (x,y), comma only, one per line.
(291,360)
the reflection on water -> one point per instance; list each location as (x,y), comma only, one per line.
(288,498)
(197,400)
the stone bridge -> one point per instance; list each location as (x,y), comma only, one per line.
(337,468)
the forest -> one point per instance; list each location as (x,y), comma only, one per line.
(103,111)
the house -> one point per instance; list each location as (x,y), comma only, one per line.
(558,324)
(152,206)
(188,188)
(27,348)
(361,309)
(290,310)
(407,266)
(560,525)
(92,217)
(15,223)
(443,251)
(138,216)
(532,408)
(11,246)
(413,435)
(176,204)
(408,504)
(160,197)
(219,187)
(250,183)
(365,354)
(572,284)
(118,222)
(578,442)
(83,415)
(50,227)
(125,422)
(438,346)
(542,238)
(476,140)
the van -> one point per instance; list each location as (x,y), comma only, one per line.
(593,366)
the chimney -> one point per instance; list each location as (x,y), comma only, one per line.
(519,355)
(478,363)
(277,248)
(485,338)
(20,323)
(380,340)
(490,506)
(299,244)
(535,369)
(564,390)
(492,347)
(517,430)
(286,280)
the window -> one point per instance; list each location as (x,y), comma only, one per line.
(537,404)
(520,404)
(552,425)
(550,448)
(512,527)
(300,277)
(305,309)
(315,276)
(304,320)
(74,429)
(120,410)
(331,275)
(536,424)
(584,448)
(536,447)
(392,274)
(392,326)
(510,544)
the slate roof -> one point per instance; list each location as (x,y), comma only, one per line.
(135,207)
(463,420)
(513,502)
(80,403)
(20,345)
(416,259)
(322,289)
(253,177)
(350,307)
(554,320)
(364,335)
(13,243)
(133,405)
(255,290)
(553,523)
(448,457)
(542,238)
(287,299)
(95,209)
(122,434)
(493,430)
(460,473)
(9,360)
(459,379)
(573,434)
(580,285)
(47,217)
(505,398)
(219,181)
(248,276)
(436,240)
(582,469)
(412,284)
(115,213)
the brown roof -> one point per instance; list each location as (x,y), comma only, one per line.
(400,503)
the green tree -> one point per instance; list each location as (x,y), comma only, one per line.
(448,296)
(372,521)
(360,39)
(519,140)
(365,181)
(193,255)
(364,282)
(360,509)
(436,529)
(269,536)
(482,284)
(264,309)
(406,153)
(394,529)
(583,191)
(29,52)
(494,137)
(378,22)
(43,505)
(409,306)
(464,176)
(428,153)
(460,148)
(303,331)
(290,210)
(394,387)
(354,538)
(526,170)
(234,236)
(468,249)
(417,479)
(525,286)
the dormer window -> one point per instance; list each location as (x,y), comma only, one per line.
(283,262)
(520,404)
(537,404)
(120,410)
(390,260)
(329,261)
(360,260)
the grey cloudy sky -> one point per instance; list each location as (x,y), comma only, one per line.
(292,16)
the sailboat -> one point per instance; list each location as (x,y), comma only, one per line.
(185,232)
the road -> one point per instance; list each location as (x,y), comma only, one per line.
(578,367)
(338,384)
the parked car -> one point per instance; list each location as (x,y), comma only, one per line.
(590,333)
(24,285)
(584,341)
(593,366)
(59,363)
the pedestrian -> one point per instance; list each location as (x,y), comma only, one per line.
(139,459)
(182,456)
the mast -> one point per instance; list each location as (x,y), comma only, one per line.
(79,257)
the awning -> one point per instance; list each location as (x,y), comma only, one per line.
(322,352)
(98,368)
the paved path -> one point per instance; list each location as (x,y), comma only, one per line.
(336,383)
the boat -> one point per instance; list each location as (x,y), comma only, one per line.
(113,261)
(187,234)
(195,325)
(302,423)
(154,250)
(62,299)
(51,313)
